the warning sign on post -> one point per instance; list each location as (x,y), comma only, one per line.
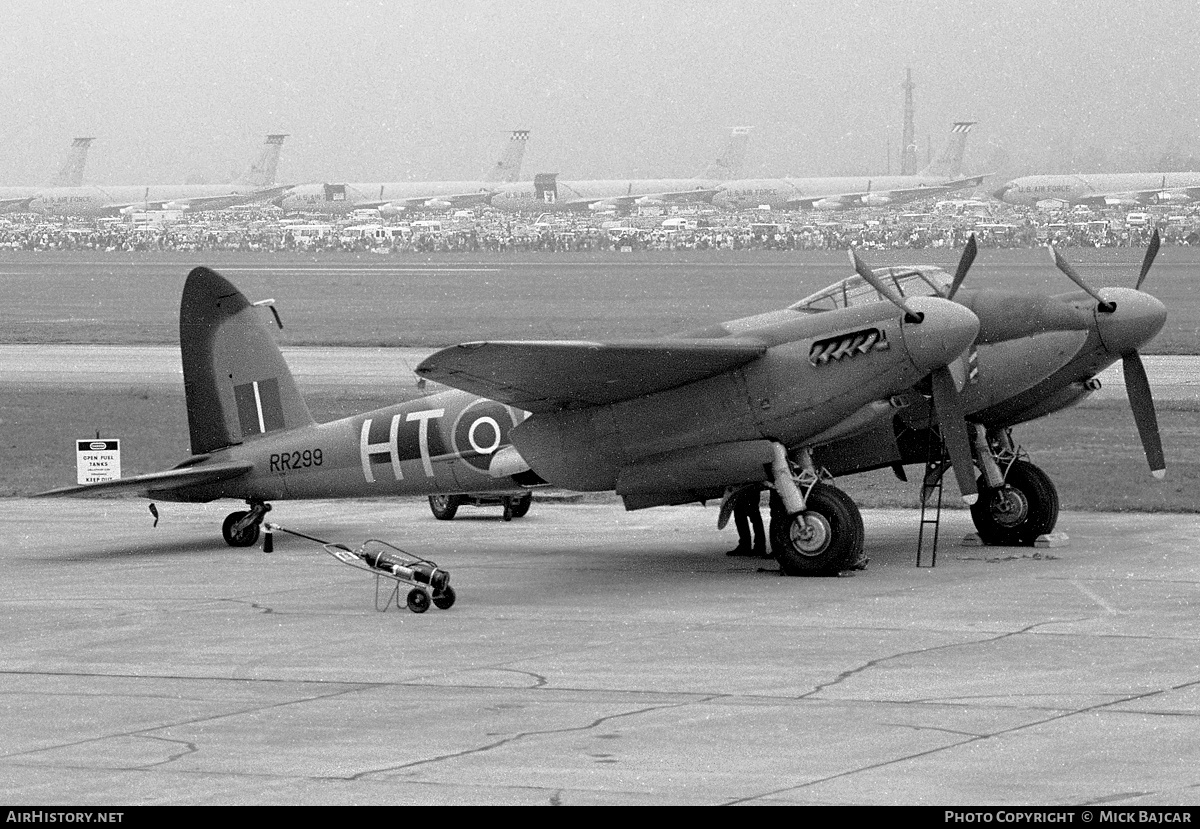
(97,460)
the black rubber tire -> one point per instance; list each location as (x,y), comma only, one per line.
(247,537)
(1017,513)
(444,507)
(823,540)
(418,600)
(520,506)
(445,599)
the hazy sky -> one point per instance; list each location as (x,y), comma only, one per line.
(396,90)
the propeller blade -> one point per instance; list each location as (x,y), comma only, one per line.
(1065,266)
(1151,252)
(884,290)
(964,265)
(1137,386)
(951,420)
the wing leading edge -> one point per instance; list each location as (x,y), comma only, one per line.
(550,376)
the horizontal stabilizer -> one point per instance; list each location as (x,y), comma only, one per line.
(165,481)
(555,375)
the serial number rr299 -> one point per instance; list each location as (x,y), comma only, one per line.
(285,461)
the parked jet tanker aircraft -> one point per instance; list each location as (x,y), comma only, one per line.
(546,192)
(14,199)
(660,422)
(943,175)
(256,184)
(1103,190)
(394,198)
(1035,354)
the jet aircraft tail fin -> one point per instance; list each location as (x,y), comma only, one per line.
(71,174)
(262,171)
(728,164)
(508,168)
(237,384)
(950,163)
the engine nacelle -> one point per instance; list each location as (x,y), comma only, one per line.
(875,199)
(829,204)
(646,201)
(176,205)
(132,209)
(393,209)
(1171,197)
(1121,201)
(438,204)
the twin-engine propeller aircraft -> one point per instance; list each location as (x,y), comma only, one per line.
(666,421)
(1035,354)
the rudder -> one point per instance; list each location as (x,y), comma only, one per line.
(262,171)
(950,163)
(235,379)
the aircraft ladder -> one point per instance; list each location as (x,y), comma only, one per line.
(936,465)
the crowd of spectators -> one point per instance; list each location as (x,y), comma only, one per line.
(993,225)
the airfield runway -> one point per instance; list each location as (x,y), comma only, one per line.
(593,657)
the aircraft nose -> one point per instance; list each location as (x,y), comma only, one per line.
(1136,320)
(946,331)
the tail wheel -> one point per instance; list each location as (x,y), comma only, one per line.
(520,506)
(1020,510)
(245,538)
(824,539)
(443,507)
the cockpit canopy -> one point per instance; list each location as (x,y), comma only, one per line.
(854,290)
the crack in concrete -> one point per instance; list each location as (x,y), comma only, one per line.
(930,752)
(520,736)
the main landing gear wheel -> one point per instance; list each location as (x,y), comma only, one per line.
(824,539)
(443,506)
(418,600)
(1016,513)
(233,538)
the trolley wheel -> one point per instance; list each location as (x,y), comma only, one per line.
(520,506)
(418,600)
(443,507)
(245,538)
(445,599)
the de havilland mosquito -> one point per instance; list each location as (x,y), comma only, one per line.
(660,422)
(858,376)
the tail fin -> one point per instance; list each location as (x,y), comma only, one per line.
(71,174)
(234,376)
(262,171)
(728,164)
(508,168)
(950,163)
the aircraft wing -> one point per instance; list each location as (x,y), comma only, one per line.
(15,204)
(446,202)
(165,481)
(897,195)
(1154,195)
(550,376)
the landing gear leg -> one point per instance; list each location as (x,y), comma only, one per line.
(241,528)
